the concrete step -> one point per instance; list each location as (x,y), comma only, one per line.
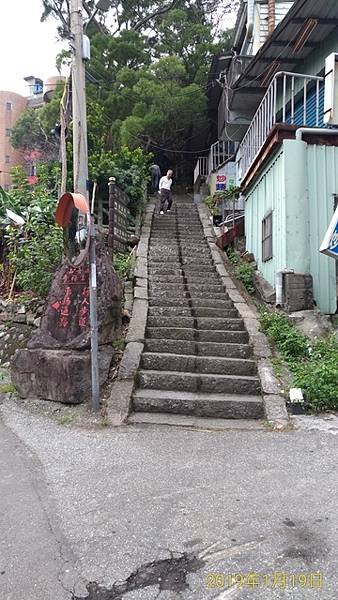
(164,251)
(192,287)
(211,278)
(203,276)
(163,270)
(156,293)
(195,261)
(195,303)
(207,287)
(158,287)
(194,294)
(200,323)
(189,311)
(193,229)
(194,422)
(206,335)
(155,279)
(160,258)
(190,363)
(193,382)
(159,301)
(199,404)
(198,348)
(200,269)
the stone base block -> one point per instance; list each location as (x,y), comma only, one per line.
(57,375)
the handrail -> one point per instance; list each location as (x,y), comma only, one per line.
(277,107)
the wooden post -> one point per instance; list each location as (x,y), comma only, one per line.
(100,211)
(111,216)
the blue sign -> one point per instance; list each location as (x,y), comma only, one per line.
(220,187)
(330,241)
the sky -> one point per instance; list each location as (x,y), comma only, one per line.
(27,46)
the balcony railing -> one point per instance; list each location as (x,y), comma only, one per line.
(219,153)
(201,168)
(291,98)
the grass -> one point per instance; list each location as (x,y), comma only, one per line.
(6,388)
(243,271)
(124,264)
(119,344)
(278,365)
(65,419)
(312,363)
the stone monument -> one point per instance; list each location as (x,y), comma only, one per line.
(56,363)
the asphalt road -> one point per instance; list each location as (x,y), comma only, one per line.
(168,513)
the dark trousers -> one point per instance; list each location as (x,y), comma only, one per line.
(166,196)
(155,180)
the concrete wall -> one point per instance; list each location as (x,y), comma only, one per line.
(298,185)
(228,170)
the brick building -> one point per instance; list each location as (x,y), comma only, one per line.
(12,105)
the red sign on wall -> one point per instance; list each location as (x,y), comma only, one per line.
(221,178)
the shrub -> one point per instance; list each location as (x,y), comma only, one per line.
(36,259)
(35,249)
(124,264)
(243,271)
(314,365)
(287,339)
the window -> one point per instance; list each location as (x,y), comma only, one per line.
(8,132)
(9,106)
(267,237)
(7,159)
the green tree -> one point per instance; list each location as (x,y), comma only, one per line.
(167,107)
(33,131)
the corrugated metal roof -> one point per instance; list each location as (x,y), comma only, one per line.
(326,11)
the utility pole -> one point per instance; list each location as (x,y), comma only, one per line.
(80,178)
(80,148)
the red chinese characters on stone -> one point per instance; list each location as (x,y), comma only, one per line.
(84,308)
(74,276)
(64,308)
(73,308)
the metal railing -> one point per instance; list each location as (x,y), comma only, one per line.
(220,152)
(286,101)
(201,168)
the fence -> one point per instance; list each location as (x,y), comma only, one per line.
(220,151)
(291,98)
(118,216)
(201,168)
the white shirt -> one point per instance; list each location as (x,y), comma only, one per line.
(165,183)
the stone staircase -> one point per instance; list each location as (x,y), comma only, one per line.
(197,359)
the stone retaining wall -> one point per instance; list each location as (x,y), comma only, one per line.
(17,323)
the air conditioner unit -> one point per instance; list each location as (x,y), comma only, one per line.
(331,90)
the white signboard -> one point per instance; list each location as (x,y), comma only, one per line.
(330,242)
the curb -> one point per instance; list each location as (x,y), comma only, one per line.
(120,399)
(274,402)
